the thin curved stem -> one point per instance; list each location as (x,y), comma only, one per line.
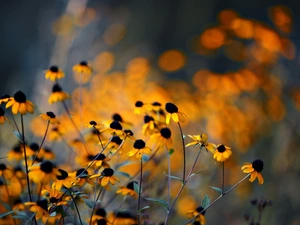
(223,176)
(71,195)
(94,206)
(183,149)
(140,191)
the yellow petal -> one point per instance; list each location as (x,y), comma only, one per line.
(260,178)
(15,108)
(175,117)
(168,118)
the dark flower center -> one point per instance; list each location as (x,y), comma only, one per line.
(139,144)
(123,214)
(48,150)
(116,140)
(131,185)
(63,174)
(43,204)
(17,149)
(171,108)
(18,169)
(4,96)
(1,112)
(81,173)
(258,165)
(117,117)
(147,119)
(101,222)
(115,125)
(53,200)
(51,115)
(165,132)
(83,63)
(47,167)
(200,209)
(56,88)
(20,97)
(107,172)
(2,166)
(93,123)
(17,201)
(128,132)
(100,157)
(156,104)
(34,146)
(101,212)
(54,69)
(139,104)
(221,148)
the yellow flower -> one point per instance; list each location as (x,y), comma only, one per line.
(99,217)
(2,117)
(20,104)
(128,190)
(43,172)
(141,108)
(82,67)
(115,129)
(54,73)
(162,138)
(40,208)
(122,218)
(200,219)
(254,169)
(58,95)
(202,141)
(106,176)
(222,153)
(4,98)
(139,149)
(93,124)
(63,180)
(50,116)
(174,114)
(148,127)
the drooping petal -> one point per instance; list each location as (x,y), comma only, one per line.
(168,118)
(260,178)
(253,176)
(15,108)
(175,117)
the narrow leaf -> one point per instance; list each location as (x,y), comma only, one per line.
(18,135)
(173,177)
(145,207)
(193,174)
(205,201)
(136,187)
(89,203)
(123,174)
(159,201)
(6,214)
(216,189)
(171,151)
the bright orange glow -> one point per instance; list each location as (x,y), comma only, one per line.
(227,16)
(114,34)
(63,25)
(213,38)
(104,62)
(281,17)
(171,60)
(243,28)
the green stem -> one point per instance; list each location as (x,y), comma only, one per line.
(140,191)
(71,195)
(183,149)
(94,206)
(223,176)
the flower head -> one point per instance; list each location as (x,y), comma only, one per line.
(43,172)
(139,149)
(148,127)
(58,95)
(202,141)
(20,104)
(254,169)
(222,153)
(54,73)
(174,113)
(2,117)
(128,190)
(4,98)
(83,68)
(115,129)
(106,177)
(50,116)
(162,137)
(200,219)
(63,180)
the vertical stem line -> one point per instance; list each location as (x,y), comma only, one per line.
(183,149)
(140,191)
(71,195)
(223,176)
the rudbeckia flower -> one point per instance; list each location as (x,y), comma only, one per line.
(174,114)
(162,138)
(139,149)
(106,176)
(2,117)
(128,134)
(83,68)
(16,153)
(122,218)
(4,98)
(128,190)
(202,141)
(63,180)
(54,73)
(148,127)
(93,124)
(139,108)
(55,197)
(58,95)
(200,219)
(5,172)
(156,106)
(99,217)
(254,169)
(40,208)
(222,153)
(115,129)
(43,172)
(20,104)
(99,160)
(50,116)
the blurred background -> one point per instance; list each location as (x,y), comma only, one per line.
(231,66)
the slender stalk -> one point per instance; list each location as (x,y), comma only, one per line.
(13,118)
(80,101)
(118,210)
(98,135)
(183,149)
(223,176)
(217,199)
(94,206)
(38,151)
(182,186)
(140,191)
(26,164)
(75,206)
(169,176)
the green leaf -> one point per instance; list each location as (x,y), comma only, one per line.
(193,174)
(145,207)
(123,174)
(125,164)
(216,189)
(205,201)
(173,177)
(171,151)
(6,214)
(89,203)
(159,201)
(18,135)
(136,187)
(21,215)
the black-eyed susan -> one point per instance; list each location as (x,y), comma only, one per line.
(54,73)
(202,141)
(93,124)
(149,125)
(55,197)
(115,129)
(106,177)
(222,153)
(6,172)
(173,113)
(139,148)
(20,104)
(16,153)
(56,133)
(99,217)
(200,219)
(40,208)
(254,169)
(63,180)
(122,218)
(4,98)
(139,109)
(2,117)
(58,95)
(99,160)
(18,205)
(47,153)
(128,190)
(128,134)
(42,172)
(162,138)
(83,68)
(156,106)
(51,117)
(32,149)
(81,176)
